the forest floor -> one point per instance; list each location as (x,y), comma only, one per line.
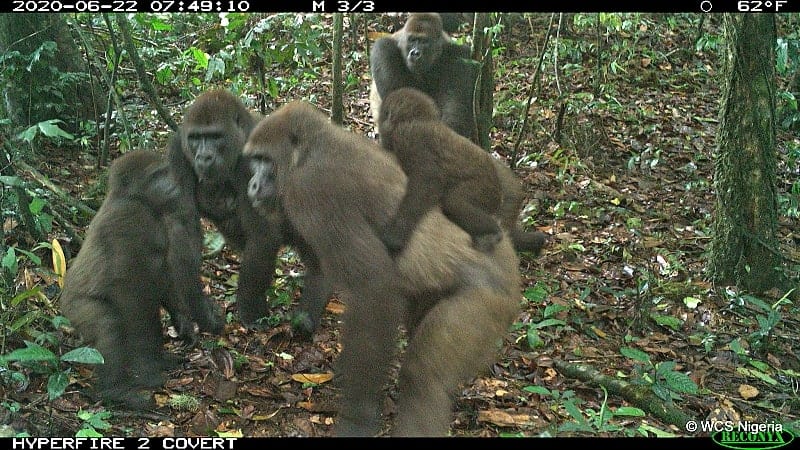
(621,291)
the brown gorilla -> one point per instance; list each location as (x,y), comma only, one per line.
(422,56)
(206,155)
(337,190)
(443,169)
(135,260)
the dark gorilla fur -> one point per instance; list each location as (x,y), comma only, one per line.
(134,260)
(337,190)
(422,56)
(206,155)
(443,168)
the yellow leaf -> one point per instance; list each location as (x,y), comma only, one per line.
(316,378)
(600,333)
(59,262)
(747,392)
(615,201)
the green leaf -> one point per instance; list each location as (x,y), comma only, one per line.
(662,392)
(547,323)
(200,58)
(680,382)
(50,129)
(29,134)
(98,420)
(88,432)
(551,310)
(57,383)
(757,374)
(656,431)
(691,302)
(10,261)
(34,352)
(11,181)
(629,411)
(534,341)
(541,390)
(573,410)
(635,354)
(36,206)
(213,242)
(667,321)
(536,294)
(83,355)
(158,25)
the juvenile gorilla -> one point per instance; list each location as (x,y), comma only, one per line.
(443,169)
(133,261)
(337,190)
(206,155)
(422,56)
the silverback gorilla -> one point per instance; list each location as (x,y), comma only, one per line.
(337,190)
(422,56)
(206,155)
(134,260)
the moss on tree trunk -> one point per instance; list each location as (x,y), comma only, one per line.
(743,250)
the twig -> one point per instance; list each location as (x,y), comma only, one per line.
(531,88)
(147,86)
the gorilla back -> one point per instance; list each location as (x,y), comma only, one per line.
(338,190)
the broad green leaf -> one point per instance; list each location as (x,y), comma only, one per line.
(11,181)
(534,341)
(551,310)
(57,383)
(88,432)
(691,302)
(10,261)
(629,411)
(83,355)
(541,390)
(680,382)
(634,354)
(667,321)
(33,352)
(50,129)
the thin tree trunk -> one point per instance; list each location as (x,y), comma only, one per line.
(337,106)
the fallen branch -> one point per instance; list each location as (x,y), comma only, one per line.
(638,395)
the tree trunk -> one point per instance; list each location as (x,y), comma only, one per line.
(337,105)
(744,247)
(41,93)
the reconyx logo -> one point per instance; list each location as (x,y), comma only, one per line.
(741,439)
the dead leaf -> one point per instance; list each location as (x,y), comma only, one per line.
(316,378)
(503,418)
(747,392)
(646,62)
(600,333)
(335,307)
(375,35)
(59,262)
